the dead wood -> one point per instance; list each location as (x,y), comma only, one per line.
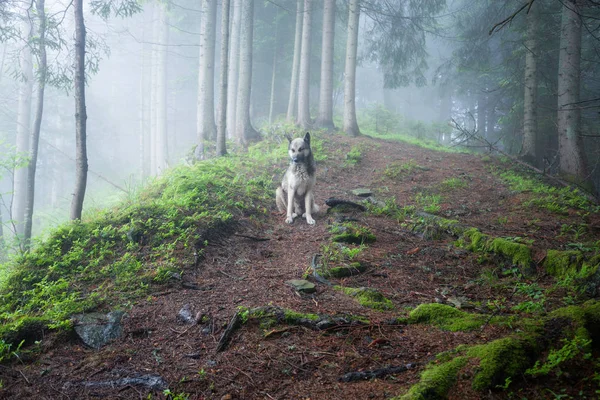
(376,373)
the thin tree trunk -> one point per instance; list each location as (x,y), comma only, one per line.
(222,125)
(154,60)
(274,70)
(572,157)
(350,124)
(529,151)
(81,163)
(244,131)
(304,79)
(481,114)
(233,70)
(162,150)
(206,128)
(37,124)
(292,102)
(19,198)
(325,116)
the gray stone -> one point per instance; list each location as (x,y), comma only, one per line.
(96,329)
(185,315)
(302,285)
(362,192)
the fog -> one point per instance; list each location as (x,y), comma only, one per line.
(451,83)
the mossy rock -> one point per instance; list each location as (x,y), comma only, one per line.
(436,381)
(562,263)
(446,317)
(352,269)
(367,297)
(352,233)
(433,227)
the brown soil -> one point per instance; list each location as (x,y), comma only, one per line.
(296,362)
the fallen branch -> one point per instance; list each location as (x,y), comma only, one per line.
(234,324)
(377,373)
(333,202)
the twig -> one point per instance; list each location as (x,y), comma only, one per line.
(256,239)
(233,325)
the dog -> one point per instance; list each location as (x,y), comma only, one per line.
(295,195)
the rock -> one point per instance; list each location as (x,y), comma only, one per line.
(96,329)
(362,192)
(302,285)
(151,382)
(185,315)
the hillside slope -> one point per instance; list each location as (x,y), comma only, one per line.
(467,274)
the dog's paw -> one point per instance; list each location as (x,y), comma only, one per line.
(289,220)
(310,221)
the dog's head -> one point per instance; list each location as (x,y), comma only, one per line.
(299,149)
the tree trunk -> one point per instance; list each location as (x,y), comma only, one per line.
(529,151)
(274,70)
(221,127)
(292,102)
(81,162)
(206,128)
(481,114)
(162,150)
(325,115)
(244,131)
(233,70)
(304,79)
(37,123)
(19,199)
(350,124)
(154,59)
(572,157)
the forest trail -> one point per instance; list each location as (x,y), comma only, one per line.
(411,262)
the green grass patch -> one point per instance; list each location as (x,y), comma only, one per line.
(367,297)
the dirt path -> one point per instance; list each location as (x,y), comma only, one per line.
(251,268)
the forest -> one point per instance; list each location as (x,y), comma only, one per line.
(457,250)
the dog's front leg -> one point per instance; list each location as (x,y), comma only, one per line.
(308,202)
(290,205)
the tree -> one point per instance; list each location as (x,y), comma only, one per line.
(304,77)
(23,132)
(293,99)
(161,145)
(233,70)
(221,127)
(206,128)
(529,151)
(81,163)
(37,124)
(325,114)
(572,157)
(244,131)
(350,124)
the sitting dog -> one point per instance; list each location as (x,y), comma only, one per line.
(295,195)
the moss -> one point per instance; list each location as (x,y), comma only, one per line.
(433,227)
(367,297)
(292,317)
(446,317)
(563,263)
(25,329)
(436,380)
(352,233)
(476,240)
(518,253)
(354,268)
(500,359)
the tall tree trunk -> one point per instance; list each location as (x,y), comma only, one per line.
(274,70)
(572,157)
(529,152)
(244,131)
(293,100)
(233,70)
(222,125)
(162,150)
(206,128)
(350,125)
(19,199)
(154,60)
(37,123)
(481,114)
(304,79)
(81,162)
(143,104)
(325,115)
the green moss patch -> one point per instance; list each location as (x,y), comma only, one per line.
(352,269)
(436,380)
(352,233)
(446,317)
(368,297)
(433,227)
(562,263)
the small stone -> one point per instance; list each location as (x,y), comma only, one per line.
(226,397)
(302,285)
(185,315)
(362,192)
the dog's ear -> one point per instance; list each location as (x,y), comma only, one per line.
(307,138)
